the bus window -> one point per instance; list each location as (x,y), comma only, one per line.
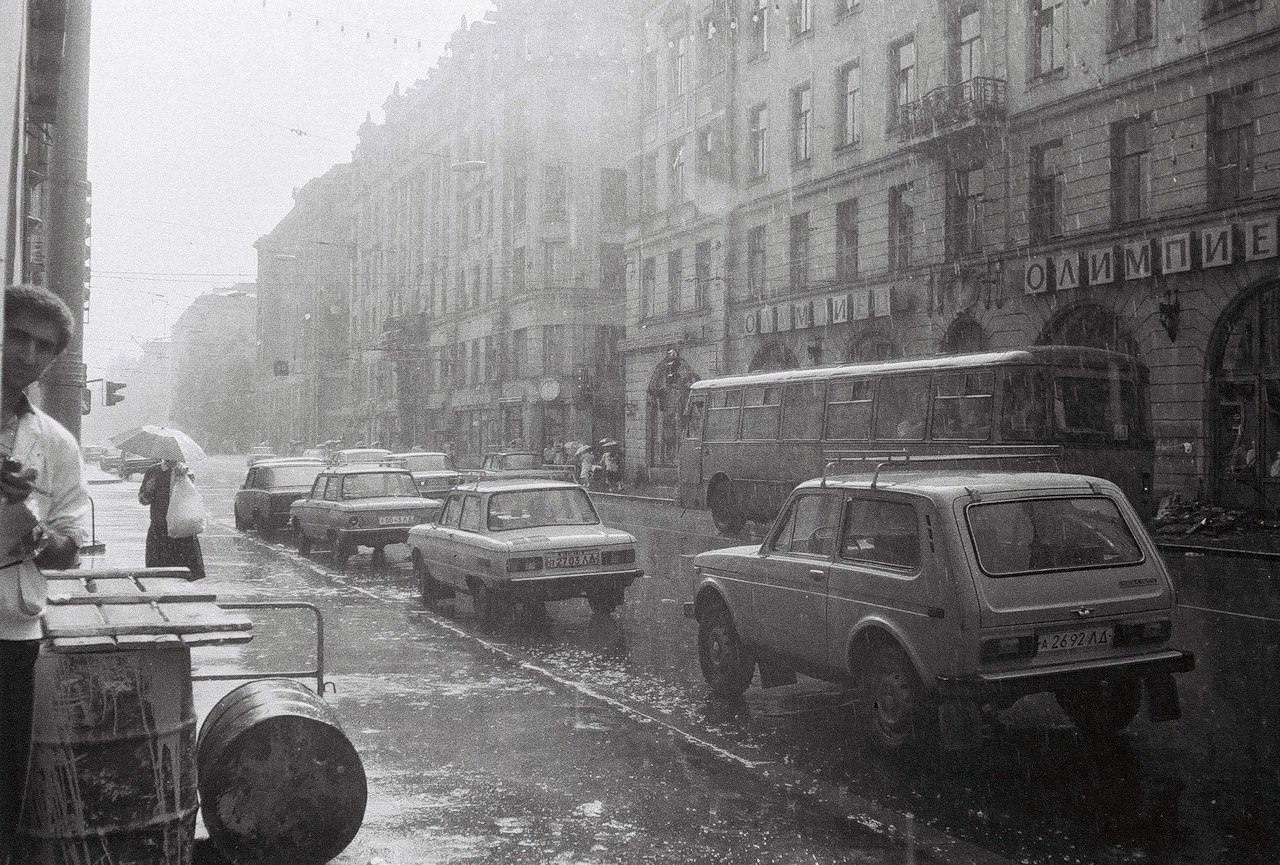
(722,417)
(762,407)
(802,411)
(902,402)
(1022,405)
(693,418)
(962,406)
(1091,406)
(849,411)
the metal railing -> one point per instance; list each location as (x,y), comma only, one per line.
(317,673)
(978,99)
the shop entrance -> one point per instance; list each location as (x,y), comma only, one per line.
(1244,424)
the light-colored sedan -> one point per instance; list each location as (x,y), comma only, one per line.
(359,506)
(507,542)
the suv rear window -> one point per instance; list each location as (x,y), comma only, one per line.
(1057,534)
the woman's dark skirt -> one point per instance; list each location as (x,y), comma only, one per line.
(166,552)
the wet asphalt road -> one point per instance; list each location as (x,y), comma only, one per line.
(578,740)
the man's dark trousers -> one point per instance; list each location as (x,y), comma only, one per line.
(17,694)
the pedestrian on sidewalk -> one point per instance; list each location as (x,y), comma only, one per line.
(163,550)
(44,517)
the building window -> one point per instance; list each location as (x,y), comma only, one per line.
(1048,36)
(519,199)
(649,84)
(675,175)
(755,262)
(799,252)
(1130,22)
(476,286)
(844,7)
(901,217)
(491,288)
(904,84)
(710,49)
(1231,145)
(1213,8)
(969,45)
(1131,169)
(556,201)
(760,27)
(801,18)
(847,239)
(520,353)
(649,185)
(490,359)
(648,284)
(701,274)
(964,212)
(519,266)
(758,136)
(677,70)
(1048,192)
(801,122)
(613,268)
(850,106)
(552,348)
(705,161)
(613,196)
(555,270)
(675,279)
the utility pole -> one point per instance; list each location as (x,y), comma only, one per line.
(68,215)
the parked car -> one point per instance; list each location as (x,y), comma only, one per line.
(350,507)
(519,464)
(92,453)
(259,453)
(525,541)
(315,454)
(946,594)
(125,465)
(359,456)
(269,489)
(434,473)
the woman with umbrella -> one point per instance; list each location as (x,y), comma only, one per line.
(174,449)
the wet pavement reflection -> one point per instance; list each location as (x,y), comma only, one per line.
(1205,789)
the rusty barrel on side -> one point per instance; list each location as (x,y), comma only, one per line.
(113,771)
(280,783)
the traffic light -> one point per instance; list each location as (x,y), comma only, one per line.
(671,369)
(86,400)
(582,384)
(112,394)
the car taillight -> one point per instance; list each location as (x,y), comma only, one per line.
(1008,648)
(524,563)
(618,557)
(1140,633)
(353,521)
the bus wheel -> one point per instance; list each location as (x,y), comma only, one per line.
(725,512)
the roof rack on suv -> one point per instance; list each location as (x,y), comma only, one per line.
(885,458)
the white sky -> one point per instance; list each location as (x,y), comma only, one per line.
(191,153)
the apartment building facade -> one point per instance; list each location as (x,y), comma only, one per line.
(909,179)
(486,304)
(304,286)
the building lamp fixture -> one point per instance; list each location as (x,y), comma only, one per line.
(1170,313)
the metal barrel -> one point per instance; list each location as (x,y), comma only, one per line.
(112,777)
(280,783)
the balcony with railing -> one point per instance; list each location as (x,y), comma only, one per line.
(944,112)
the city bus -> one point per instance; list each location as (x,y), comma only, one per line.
(747,440)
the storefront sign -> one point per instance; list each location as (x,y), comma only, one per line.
(1203,248)
(835,309)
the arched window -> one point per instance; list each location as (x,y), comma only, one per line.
(1089,324)
(871,347)
(772,357)
(964,335)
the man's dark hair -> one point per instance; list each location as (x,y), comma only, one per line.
(40,302)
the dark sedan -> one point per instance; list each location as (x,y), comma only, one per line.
(269,489)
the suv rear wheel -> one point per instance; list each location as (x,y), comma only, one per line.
(1102,709)
(727,664)
(898,711)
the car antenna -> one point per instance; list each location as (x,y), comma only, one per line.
(827,469)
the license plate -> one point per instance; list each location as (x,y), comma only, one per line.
(396,520)
(572,559)
(1082,639)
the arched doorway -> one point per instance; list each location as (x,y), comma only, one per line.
(964,335)
(1089,324)
(772,356)
(871,347)
(1244,401)
(665,400)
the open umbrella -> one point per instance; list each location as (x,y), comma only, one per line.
(160,442)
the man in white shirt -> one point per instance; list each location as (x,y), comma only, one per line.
(44,516)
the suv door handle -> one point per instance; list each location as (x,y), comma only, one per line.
(817,573)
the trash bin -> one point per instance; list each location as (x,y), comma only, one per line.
(113,772)
(280,783)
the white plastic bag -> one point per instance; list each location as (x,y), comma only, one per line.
(186,509)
